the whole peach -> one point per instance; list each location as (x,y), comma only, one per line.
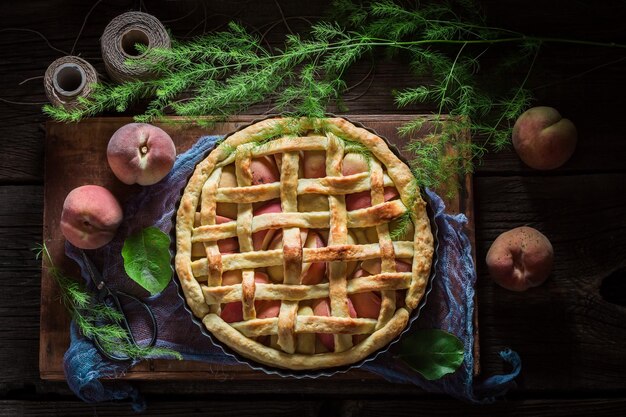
(543,139)
(520,258)
(90,216)
(139,153)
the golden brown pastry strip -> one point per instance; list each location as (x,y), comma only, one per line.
(261,259)
(378,282)
(292,251)
(423,250)
(338,236)
(327,185)
(366,217)
(243,161)
(207,216)
(388,264)
(305,342)
(291,144)
(227,334)
(308,324)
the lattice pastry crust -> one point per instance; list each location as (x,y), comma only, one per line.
(284,335)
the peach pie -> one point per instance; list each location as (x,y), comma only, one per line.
(303,244)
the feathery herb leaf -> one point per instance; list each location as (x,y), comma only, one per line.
(89,315)
(224,73)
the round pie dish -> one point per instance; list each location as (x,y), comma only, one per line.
(304,245)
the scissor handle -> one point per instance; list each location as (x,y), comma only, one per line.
(112,300)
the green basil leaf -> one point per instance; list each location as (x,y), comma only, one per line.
(433,353)
(147,259)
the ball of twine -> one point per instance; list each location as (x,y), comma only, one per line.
(118,44)
(67,79)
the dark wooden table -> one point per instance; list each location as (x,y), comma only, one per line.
(570,332)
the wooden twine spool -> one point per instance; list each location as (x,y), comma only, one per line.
(67,79)
(118,44)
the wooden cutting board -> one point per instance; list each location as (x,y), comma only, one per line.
(75,154)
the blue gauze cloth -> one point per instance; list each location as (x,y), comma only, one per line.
(450,305)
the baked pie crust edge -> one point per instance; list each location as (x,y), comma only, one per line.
(403,180)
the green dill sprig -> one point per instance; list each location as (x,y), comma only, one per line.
(96,320)
(442,151)
(352,146)
(224,73)
(400,227)
(442,154)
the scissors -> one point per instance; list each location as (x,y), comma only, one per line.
(111,298)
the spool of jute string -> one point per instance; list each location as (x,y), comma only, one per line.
(119,42)
(67,79)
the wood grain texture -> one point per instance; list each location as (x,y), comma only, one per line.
(174,409)
(554,408)
(20,275)
(600,407)
(571,341)
(585,99)
(580,332)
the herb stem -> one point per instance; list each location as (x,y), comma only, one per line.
(387,42)
(518,91)
(349,43)
(448,77)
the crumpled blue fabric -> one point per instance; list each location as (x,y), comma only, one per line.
(450,305)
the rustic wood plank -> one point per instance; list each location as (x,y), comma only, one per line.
(564,352)
(600,140)
(22,135)
(22,144)
(568,336)
(20,231)
(218,385)
(174,408)
(559,354)
(598,407)
(76,155)
(612,407)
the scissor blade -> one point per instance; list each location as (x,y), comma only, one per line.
(95,275)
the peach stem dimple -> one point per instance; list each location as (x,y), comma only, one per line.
(144,150)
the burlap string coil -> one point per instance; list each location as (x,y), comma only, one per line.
(118,44)
(67,79)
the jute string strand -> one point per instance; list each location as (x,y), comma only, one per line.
(67,79)
(118,44)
